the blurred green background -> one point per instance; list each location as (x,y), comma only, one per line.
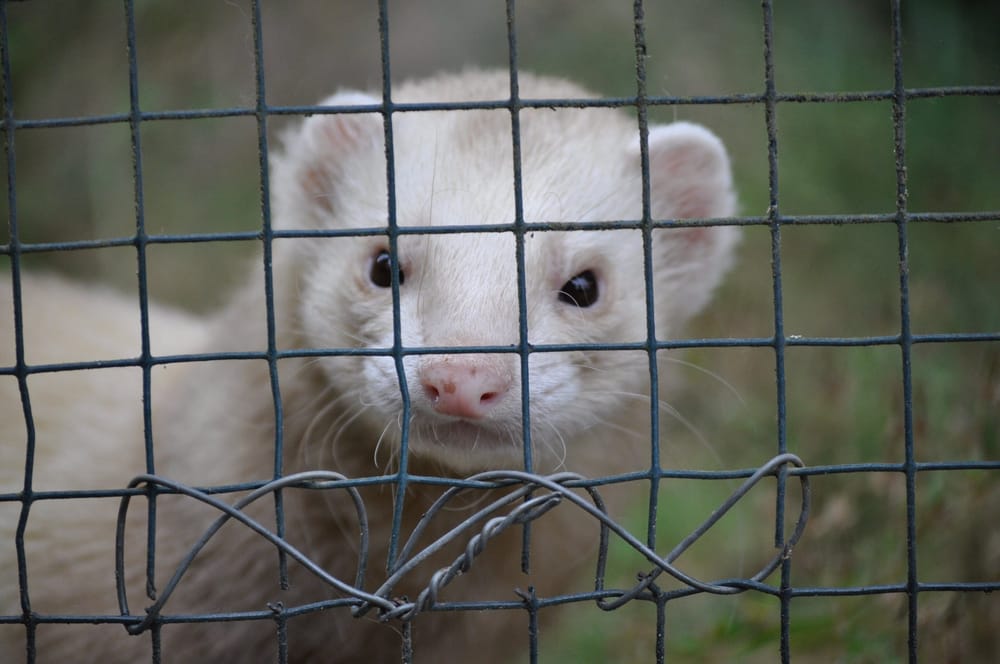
(844,405)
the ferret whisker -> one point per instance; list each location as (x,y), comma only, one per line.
(475,441)
(676,415)
(378,444)
(340,426)
(708,372)
(559,451)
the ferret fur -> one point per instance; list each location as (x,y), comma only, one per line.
(213,423)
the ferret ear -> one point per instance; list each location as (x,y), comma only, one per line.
(689,173)
(335,134)
(317,156)
(690,178)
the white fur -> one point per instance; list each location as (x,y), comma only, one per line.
(213,422)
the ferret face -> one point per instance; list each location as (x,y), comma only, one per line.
(461,290)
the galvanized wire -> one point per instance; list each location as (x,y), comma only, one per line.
(528,497)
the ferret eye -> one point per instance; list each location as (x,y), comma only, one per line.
(581,290)
(381,272)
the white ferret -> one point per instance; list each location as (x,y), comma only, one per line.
(213,422)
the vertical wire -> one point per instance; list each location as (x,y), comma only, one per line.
(773,213)
(647,260)
(515,134)
(661,624)
(267,238)
(392,230)
(655,469)
(141,240)
(531,600)
(906,335)
(522,296)
(20,367)
(406,647)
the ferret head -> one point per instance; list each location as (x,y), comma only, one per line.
(461,290)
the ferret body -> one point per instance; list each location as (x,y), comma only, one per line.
(213,423)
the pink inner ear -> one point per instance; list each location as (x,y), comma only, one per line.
(692,203)
(689,173)
(340,133)
(693,237)
(330,140)
(316,185)
(685,181)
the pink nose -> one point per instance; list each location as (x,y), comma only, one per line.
(462,387)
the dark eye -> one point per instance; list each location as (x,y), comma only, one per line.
(381,273)
(581,290)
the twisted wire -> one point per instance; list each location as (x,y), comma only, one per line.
(532,495)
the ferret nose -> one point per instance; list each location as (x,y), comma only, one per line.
(466,387)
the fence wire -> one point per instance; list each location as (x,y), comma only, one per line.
(531,495)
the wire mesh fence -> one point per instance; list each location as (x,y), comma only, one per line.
(531,496)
